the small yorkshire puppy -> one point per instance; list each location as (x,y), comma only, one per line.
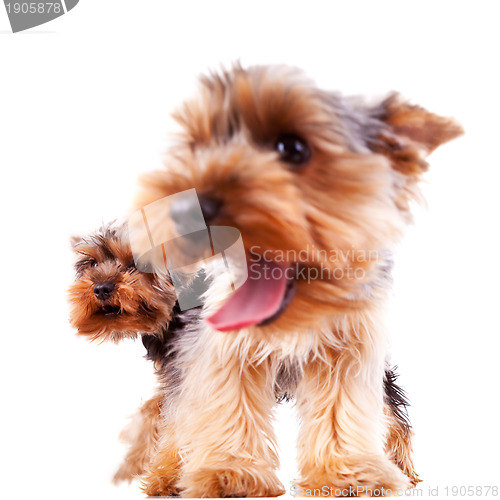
(111,300)
(319,186)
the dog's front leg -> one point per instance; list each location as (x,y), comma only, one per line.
(223,421)
(341,439)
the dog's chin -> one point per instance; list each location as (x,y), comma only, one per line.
(115,321)
(106,319)
(108,327)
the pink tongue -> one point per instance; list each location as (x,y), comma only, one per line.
(259,298)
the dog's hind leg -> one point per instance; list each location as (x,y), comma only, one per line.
(141,435)
(399,437)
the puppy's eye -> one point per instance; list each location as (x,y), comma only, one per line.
(129,266)
(85,263)
(293,149)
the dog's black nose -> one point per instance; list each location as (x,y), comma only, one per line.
(104,290)
(210,207)
(185,212)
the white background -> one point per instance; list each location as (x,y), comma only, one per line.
(84,105)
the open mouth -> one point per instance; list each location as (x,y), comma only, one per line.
(109,311)
(261,300)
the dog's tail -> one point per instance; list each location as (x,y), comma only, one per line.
(400,433)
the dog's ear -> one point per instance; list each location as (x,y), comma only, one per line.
(75,241)
(408,133)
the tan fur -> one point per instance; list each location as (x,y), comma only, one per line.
(399,448)
(161,475)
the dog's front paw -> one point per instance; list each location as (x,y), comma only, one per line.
(354,476)
(234,482)
(160,484)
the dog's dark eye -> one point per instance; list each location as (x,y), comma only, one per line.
(85,263)
(130,267)
(293,149)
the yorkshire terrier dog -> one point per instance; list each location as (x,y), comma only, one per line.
(111,300)
(319,186)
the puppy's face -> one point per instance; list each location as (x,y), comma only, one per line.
(317,184)
(110,299)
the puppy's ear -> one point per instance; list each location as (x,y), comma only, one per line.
(75,241)
(409,133)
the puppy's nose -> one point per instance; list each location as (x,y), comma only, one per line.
(185,211)
(210,207)
(103,291)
